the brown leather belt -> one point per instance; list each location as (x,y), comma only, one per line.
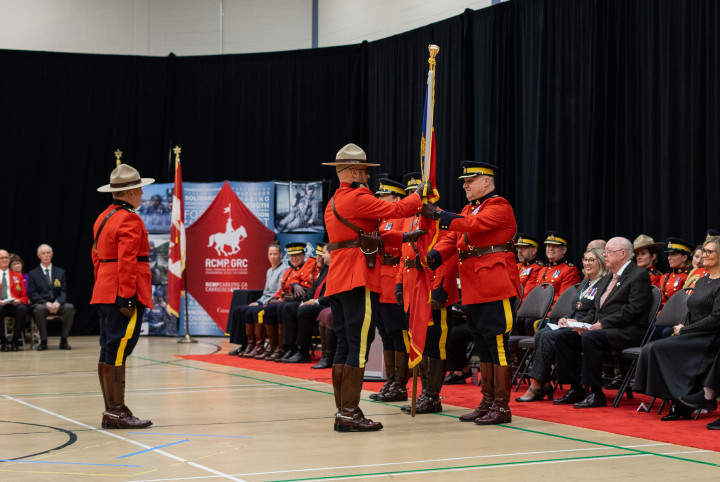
(413,263)
(483,250)
(140,259)
(390,260)
(350,243)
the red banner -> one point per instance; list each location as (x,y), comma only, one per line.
(226,250)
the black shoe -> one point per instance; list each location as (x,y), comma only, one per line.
(299,357)
(454,379)
(64,345)
(571,396)
(678,411)
(323,363)
(287,355)
(235,352)
(4,346)
(537,395)
(42,346)
(14,345)
(698,400)
(594,399)
(714,425)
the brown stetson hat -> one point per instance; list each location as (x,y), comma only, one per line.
(350,155)
(645,242)
(125,177)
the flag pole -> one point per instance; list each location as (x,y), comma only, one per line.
(187,338)
(425,169)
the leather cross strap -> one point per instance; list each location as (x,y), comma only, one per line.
(102,225)
(474,252)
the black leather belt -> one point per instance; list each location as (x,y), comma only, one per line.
(140,259)
(350,243)
(482,251)
(413,263)
(389,260)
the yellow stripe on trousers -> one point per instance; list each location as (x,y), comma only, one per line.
(128,334)
(443,332)
(406,340)
(508,326)
(365,329)
(261,316)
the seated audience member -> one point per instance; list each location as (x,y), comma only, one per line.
(327,338)
(18,265)
(458,343)
(526,248)
(47,290)
(13,302)
(698,270)
(546,338)
(596,243)
(617,320)
(671,368)
(293,289)
(299,317)
(237,317)
(645,249)
(558,272)
(706,397)
(678,255)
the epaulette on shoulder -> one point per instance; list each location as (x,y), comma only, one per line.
(539,263)
(570,264)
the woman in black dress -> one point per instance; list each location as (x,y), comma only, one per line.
(674,367)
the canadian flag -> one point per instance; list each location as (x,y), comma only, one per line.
(176,257)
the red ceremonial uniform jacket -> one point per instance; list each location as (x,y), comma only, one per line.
(444,280)
(406,277)
(528,275)
(357,204)
(306,275)
(694,276)
(391,231)
(487,221)
(16,286)
(655,276)
(560,274)
(672,282)
(287,280)
(123,238)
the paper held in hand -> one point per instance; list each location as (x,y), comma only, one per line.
(571,324)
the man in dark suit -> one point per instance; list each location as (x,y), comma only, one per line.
(618,320)
(47,290)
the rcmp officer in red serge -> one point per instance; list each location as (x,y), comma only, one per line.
(122,289)
(353,281)
(678,254)
(529,264)
(482,236)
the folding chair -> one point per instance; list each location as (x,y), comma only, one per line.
(536,306)
(634,352)
(562,307)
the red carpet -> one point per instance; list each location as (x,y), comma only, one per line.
(623,420)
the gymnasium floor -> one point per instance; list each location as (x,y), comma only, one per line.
(213,422)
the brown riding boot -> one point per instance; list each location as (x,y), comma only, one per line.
(102,385)
(259,329)
(488,393)
(500,409)
(389,357)
(423,375)
(436,374)
(327,355)
(337,377)
(250,333)
(118,414)
(279,350)
(272,334)
(350,418)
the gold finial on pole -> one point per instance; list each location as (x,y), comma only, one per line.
(177,151)
(118,155)
(433,49)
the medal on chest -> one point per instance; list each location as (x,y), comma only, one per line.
(556,274)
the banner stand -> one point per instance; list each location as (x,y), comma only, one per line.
(187,338)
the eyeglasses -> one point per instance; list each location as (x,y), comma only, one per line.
(608,251)
(589,260)
(708,252)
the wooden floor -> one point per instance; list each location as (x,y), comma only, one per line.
(213,422)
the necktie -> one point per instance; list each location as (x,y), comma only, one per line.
(610,287)
(4,288)
(47,275)
(316,295)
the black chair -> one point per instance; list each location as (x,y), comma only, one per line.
(239,298)
(562,307)
(634,352)
(536,306)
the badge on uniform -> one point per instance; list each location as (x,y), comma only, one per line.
(475,211)
(57,283)
(388,226)
(556,274)
(526,272)
(676,282)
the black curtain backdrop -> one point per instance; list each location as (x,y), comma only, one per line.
(603,116)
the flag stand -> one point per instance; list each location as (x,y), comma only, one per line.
(187,338)
(414,391)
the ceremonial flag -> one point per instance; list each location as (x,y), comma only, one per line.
(176,258)
(420,311)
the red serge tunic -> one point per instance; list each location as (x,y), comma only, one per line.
(357,205)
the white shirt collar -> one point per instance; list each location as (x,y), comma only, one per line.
(622,269)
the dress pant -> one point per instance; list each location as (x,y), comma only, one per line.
(354,320)
(288,315)
(118,334)
(40,314)
(458,340)
(546,353)
(390,324)
(437,335)
(19,312)
(490,323)
(306,322)
(236,328)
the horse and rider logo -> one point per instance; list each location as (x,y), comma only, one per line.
(231,237)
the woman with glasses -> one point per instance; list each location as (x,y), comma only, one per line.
(546,338)
(674,367)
